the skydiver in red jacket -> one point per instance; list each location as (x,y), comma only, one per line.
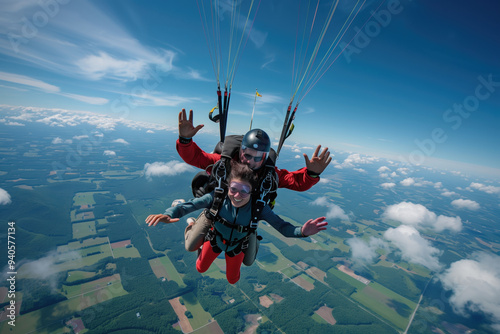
(300,180)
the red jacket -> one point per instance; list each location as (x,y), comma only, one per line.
(193,155)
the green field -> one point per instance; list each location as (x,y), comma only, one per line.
(290,271)
(273,262)
(103,249)
(334,195)
(86,198)
(214,271)
(77,275)
(102,221)
(71,291)
(81,244)
(51,316)
(172,273)
(200,316)
(82,230)
(319,319)
(126,252)
(386,303)
(346,278)
(120,197)
(307,278)
(339,243)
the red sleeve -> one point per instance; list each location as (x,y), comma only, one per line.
(193,155)
(298,180)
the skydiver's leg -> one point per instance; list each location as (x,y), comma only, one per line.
(206,257)
(251,251)
(233,265)
(194,235)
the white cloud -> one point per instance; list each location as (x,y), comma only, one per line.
(86,99)
(121,141)
(465,204)
(196,75)
(361,170)
(80,137)
(150,131)
(97,66)
(485,188)
(334,211)
(403,170)
(59,140)
(408,182)
(64,117)
(419,216)
(449,193)
(170,168)
(110,153)
(355,159)
(388,185)
(364,252)
(4,197)
(48,88)
(475,285)
(297,156)
(27,81)
(383,169)
(15,124)
(413,246)
(45,268)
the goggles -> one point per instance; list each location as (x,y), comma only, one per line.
(257,156)
(242,189)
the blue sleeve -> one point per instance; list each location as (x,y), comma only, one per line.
(283,227)
(194,204)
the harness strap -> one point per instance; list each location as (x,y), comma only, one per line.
(220,173)
(238,228)
(241,244)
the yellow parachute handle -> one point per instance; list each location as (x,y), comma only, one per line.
(214,118)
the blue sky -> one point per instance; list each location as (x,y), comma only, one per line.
(419,83)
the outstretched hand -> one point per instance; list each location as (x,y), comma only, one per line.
(318,163)
(313,226)
(153,220)
(186,127)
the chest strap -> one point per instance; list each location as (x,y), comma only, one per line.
(214,232)
(236,227)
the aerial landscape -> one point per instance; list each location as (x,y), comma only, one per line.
(86,261)
(90,95)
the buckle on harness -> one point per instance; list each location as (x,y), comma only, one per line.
(261,203)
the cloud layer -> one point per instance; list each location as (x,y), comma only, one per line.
(364,252)
(419,216)
(334,211)
(413,246)
(475,285)
(465,204)
(171,168)
(4,197)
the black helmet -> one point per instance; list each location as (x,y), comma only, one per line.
(256,139)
